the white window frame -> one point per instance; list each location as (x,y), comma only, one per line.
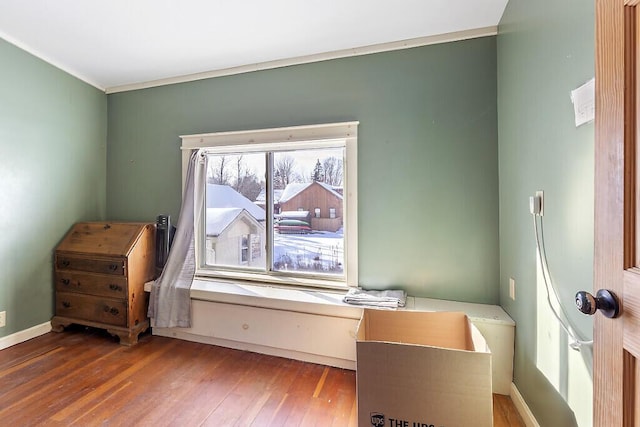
(300,137)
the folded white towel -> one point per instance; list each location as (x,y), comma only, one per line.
(381,299)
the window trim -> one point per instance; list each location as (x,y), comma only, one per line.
(309,137)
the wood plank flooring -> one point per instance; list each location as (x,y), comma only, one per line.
(82,377)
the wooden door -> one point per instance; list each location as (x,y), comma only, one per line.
(617,249)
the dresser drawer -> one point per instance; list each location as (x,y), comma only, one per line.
(115,266)
(92,284)
(94,308)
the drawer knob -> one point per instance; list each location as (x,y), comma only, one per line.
(114,287)
(66,263)
(66,282)
(66,304)
(111,310)
(113,267)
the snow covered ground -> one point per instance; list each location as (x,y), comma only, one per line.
(319,251)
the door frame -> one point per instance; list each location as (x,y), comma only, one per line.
(609,210)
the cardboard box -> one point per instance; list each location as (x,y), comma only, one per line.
(422,369)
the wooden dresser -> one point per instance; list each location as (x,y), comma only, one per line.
(100,271)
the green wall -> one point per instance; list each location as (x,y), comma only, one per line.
(546,49)
(427,161)
(52,173)
(433,178)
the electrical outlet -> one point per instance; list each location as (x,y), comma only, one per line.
(540,195)
(512,288)
(3,318)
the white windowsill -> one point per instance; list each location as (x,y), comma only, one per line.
(325,303)
(321,302)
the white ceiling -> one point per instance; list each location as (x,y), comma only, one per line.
(113,43)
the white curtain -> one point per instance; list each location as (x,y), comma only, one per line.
(170,301)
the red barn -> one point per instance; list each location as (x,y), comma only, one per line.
(323,203)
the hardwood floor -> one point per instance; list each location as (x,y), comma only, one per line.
(82,377)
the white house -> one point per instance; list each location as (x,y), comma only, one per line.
(234,237)
(235,228)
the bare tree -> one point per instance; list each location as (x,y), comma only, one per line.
(284,170)
(250,186)
(218,173)
(332,171)
(239,173)
(246,181)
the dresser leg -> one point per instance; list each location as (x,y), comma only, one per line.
(129,337)
(126,338)
(58,325)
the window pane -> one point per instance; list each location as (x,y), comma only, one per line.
(305,239)
(235,214)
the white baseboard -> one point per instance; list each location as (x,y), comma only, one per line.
(523,409)
(25,335)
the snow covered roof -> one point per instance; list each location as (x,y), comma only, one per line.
(296,188)
(291,190)
(330,189)
(262,197)
(293,214)
(223,196)
(218,219)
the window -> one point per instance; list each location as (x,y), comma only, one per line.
(262,199)
(244,252)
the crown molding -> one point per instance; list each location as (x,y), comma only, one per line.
(344,53)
